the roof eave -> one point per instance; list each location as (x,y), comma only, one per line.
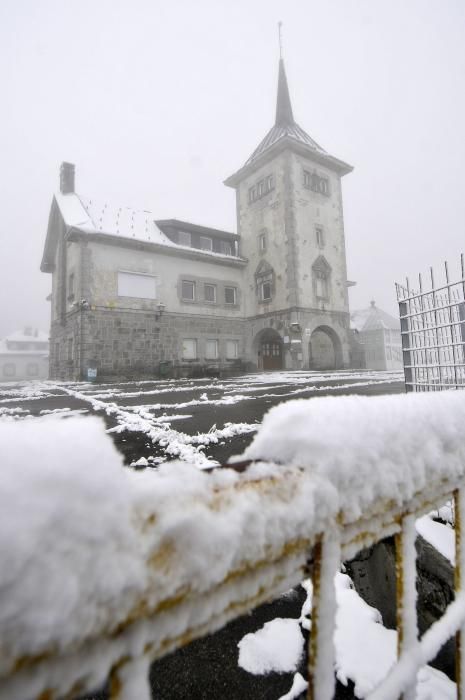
(331,162)
(76,234)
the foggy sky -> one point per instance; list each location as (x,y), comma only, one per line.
(158,102)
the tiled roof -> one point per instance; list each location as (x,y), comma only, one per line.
(373,318)
(293,131)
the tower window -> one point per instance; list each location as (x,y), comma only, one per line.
(316,183)
(266,290)
(261,188)
(320,237)
(262,242)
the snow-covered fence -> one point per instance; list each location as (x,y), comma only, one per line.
(433,333)
(104,569)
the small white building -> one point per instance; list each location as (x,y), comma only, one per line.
(24,355)
(379,335)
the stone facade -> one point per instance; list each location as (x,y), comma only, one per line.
(272,296)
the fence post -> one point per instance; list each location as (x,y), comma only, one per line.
(406,579)
(326,562)
(459,503)
(405,338)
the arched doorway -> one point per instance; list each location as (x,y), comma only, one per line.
(269,346)
(325,349)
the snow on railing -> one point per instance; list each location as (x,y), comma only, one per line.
(105,570)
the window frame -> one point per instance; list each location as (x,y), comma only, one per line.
(236,349)
(207,239)
(6,369)
(194,295)
(234,290)
(195,346)
(211,286)
(188,236)
(215,355)
(132,273)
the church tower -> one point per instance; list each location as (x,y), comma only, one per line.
(290,222)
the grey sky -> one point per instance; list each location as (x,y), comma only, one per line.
(157,102)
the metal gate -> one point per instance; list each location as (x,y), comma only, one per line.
(432,325)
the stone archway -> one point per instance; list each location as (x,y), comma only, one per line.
(268,345)
(325,349)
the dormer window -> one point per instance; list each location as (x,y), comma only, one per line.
(206,243)
(184,238)
(261,188)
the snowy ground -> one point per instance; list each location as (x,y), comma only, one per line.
(205,422)
(202,421)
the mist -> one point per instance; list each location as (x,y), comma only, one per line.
(157,103)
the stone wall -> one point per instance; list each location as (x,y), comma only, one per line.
(132,344)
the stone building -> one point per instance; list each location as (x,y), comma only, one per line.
(133,296)
(379,337)
(24,355)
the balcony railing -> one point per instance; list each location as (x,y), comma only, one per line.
(188,551)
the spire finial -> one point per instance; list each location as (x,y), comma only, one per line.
(280,25)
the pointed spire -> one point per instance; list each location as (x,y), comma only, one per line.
(284,116)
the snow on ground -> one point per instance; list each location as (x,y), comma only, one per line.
(442,537)
(365,649)
(154,420)
(277,646)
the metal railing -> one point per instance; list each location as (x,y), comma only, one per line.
(433,332)
(165,618)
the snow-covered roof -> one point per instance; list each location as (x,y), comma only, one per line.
(28,335)
(92,216)
(372,319)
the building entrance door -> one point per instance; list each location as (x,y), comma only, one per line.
(272,355)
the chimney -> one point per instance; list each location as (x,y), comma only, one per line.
(67,178)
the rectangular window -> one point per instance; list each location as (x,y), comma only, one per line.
(210,293)
(184,238)
(320,239)
(139,286)
(189,349)
(261,188)
(206,243)
(9,369)
(230,295)
(321,286)
(188,290)
(262,242)
(266,291)
(225,248)
(232,349)
(211,350)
